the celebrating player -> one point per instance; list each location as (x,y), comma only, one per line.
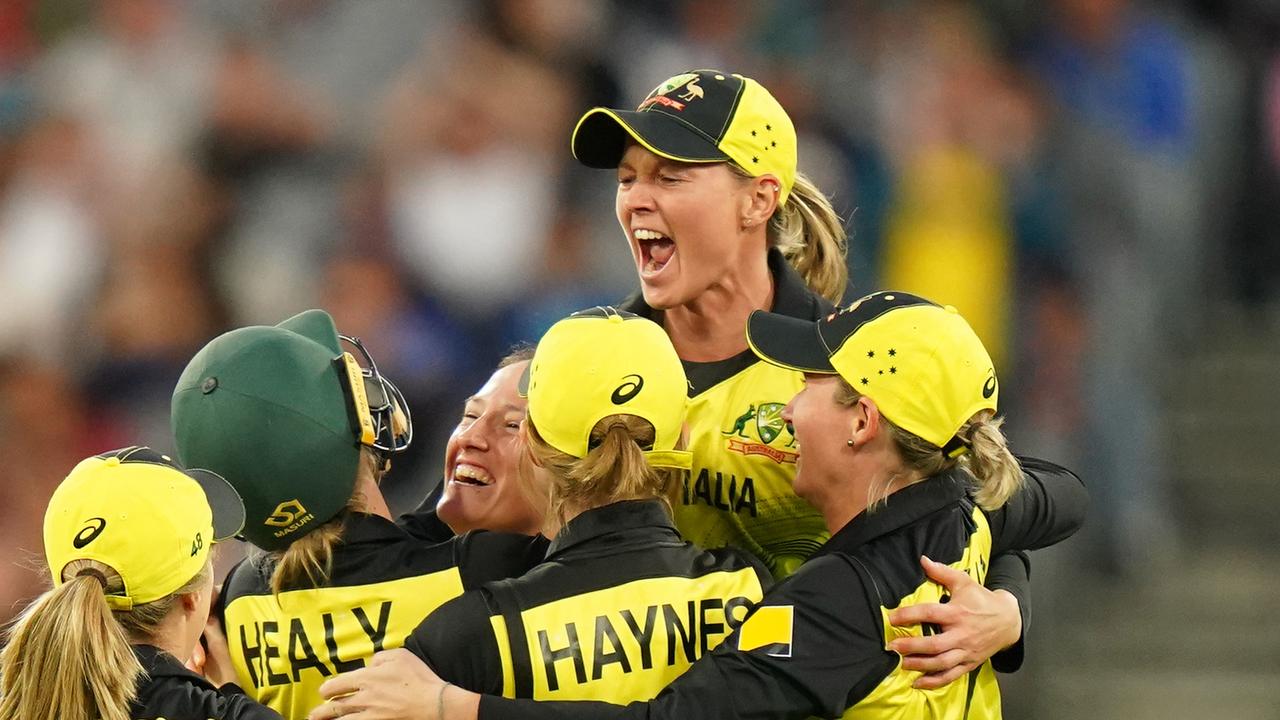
(896,425)
(721,223)
(128,537)
(305,432)
(606,405)
(479,490)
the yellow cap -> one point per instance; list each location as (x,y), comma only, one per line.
(700,116)
(920,362)
(603,362)
(138,512)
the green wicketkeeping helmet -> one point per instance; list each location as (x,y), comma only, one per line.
(281,412)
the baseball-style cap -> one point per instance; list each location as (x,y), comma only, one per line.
(701,116)
(143,515)
(603,362)
(272,410)
(920,362)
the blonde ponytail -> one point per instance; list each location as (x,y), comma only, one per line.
(994,468)
(613,470)
(308,561)
(68,656)
(811,236)
(995,471)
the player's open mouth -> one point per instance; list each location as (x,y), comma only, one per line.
(656,250)
(473,475)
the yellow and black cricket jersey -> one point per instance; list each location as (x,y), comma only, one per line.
(739,490)
(621,606)
(383,583)
(815,646)
(169,691)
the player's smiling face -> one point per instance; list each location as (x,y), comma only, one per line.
(683,221)
(822,428)
(481,487)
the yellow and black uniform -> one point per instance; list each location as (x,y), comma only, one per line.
(169,691)
(621,607)
(739,491)
(292,421)
(816,644)
(383,584)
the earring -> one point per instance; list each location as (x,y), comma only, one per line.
(849,442)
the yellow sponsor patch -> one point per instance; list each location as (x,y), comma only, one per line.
(768,629)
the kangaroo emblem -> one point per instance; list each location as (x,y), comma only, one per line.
(740,424)
(693,90)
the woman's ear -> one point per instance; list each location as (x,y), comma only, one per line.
(761,202)
(865,423)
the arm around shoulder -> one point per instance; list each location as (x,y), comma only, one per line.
(1050,507)
(457,642)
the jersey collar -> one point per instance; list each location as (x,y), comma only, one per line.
(900,509)
(644,520)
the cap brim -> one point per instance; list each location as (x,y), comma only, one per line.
(601,136)
(788,342)
(522,385)
(228,508)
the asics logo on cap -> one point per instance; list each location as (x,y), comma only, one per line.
(90,532)
(627,390)
(989,388)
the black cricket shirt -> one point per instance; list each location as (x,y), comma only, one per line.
(739,492)
(621,606)
(383,582)
(170,691)
(816,644)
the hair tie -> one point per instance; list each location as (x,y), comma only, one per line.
(94,573)
(955,447)
(592,444)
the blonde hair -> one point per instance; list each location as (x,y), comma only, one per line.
(614,468)
(811,236)
(308,561)
(996,473)
(68,654)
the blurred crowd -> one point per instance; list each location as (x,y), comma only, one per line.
(1082,178)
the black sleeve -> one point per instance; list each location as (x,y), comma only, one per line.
(483,556)
(1049,508)
(1011,572)
(182,697)
(832,658)
(457,642)
(423,523)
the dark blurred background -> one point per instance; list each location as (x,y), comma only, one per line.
(1094,183)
